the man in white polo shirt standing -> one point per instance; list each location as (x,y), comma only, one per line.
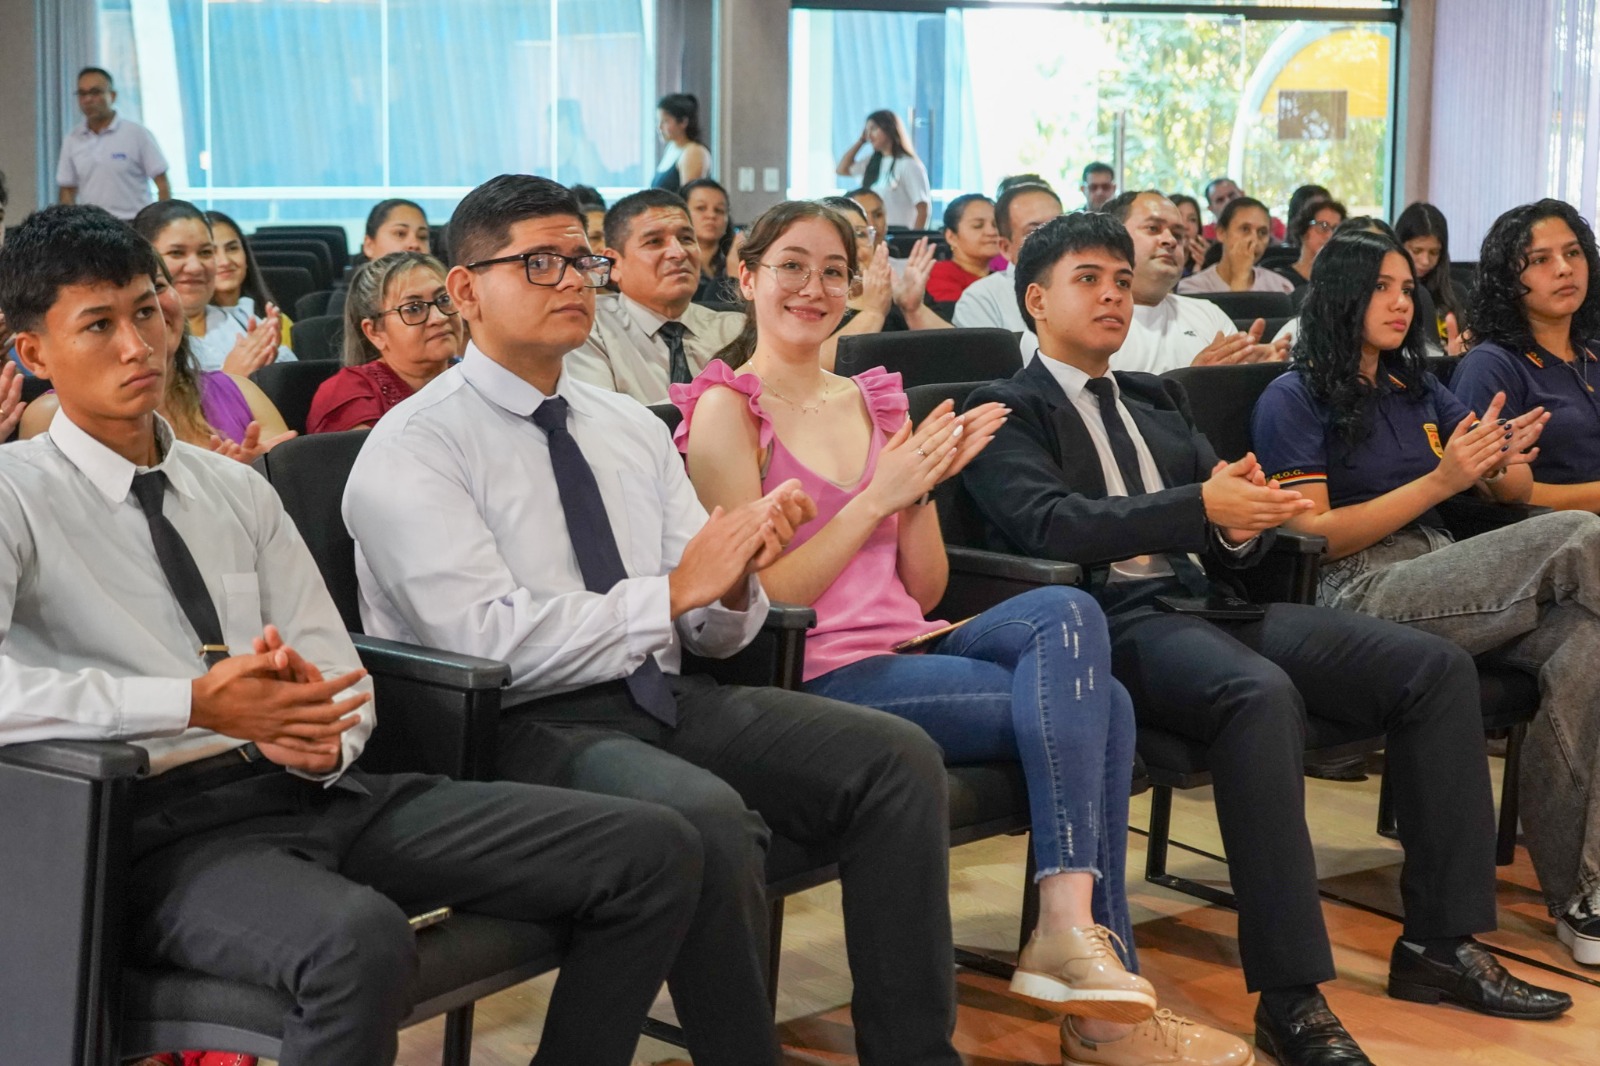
(109,161)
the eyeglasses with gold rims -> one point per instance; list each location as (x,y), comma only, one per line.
(548,268)
(415,312)
(793,277)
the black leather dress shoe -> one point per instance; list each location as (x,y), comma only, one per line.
(1306,1033)
(1477,981)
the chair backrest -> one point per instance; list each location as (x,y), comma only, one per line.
(668,413)
(1465,277)
(932,356)
(318,339)
(945,309)
(958,515)
(312,263)
(288,283)
(334,237)
(1279,255)
(313,305)
(309,244)
(901,241)
(1251,305)
(292,386)
(1443,367)
(310,475)
(1222,398)
(336,303)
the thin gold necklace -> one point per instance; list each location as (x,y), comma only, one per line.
(803,408)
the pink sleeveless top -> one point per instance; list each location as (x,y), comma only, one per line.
(867,610)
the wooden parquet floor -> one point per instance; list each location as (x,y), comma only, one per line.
(1187,948)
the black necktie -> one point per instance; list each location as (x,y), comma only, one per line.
(179,566)
(677,361)
(594,544)
(1122,448)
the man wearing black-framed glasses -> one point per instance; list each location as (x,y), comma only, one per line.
(515,513)
(650,334)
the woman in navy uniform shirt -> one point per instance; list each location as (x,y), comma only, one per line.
(1364,431)
(1537,321)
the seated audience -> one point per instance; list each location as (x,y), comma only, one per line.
(1303,195)
(872,564)
(1244,231)
(714,232)
(211,409)
(594,213)
(1020,210)
(395,226)
(239,280)
(1099,184)
(513,512)
(650,333)
(872,208)
(400,332)
(1192,244)
(879,301)
(1363,431)
(974,242)
(1536,320)
(686,157)
(1423,230)
(1168,330)
(1309,231)
(893,170)
(259,852)
(227,339)
(1093,466)
(1220,192)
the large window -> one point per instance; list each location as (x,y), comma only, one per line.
(312,110)
(1175,99)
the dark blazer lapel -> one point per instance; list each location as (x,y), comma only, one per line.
(1075,453)
(1167,436)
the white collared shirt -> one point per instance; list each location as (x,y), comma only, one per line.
(1170,334)
(224,327)
(991,302)
(626,352)
(113,168)
(461,542)
(93,643)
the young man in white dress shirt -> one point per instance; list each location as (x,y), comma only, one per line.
(260,854)
(512,512)
(651,334)
(1169,330)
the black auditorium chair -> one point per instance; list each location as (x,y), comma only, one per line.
(318,339)
(1221,399)
(1251,305)
(1279,255)
(334,237)
(311,262)
(288,284)
(1273,326)
(312,304)
(901,241)
(932,356)
(945,309)
(1464,275)
(291,386)
(336,302)
(323,275)
(62,901)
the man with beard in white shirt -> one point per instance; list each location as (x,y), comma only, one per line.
(1169,330)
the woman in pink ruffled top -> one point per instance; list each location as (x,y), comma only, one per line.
(1030,679)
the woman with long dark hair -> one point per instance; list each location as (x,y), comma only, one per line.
(1364,431)
(685,158)
(893,170)
(1029,679)
(1423,230)
(1535,318)
(707,201)
(239,280)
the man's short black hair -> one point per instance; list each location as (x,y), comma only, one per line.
(1096,167)
(1002,207)
(5,194)
(483,219)
(620,216)
(1121,205)
(61,245)
(1234,206)
(102,71)
(1060,237)
(1214,182)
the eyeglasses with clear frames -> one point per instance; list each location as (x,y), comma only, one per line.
(866,233)
(793,277)
(1324,225)
(415,312)
(548,268)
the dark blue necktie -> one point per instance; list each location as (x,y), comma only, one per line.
(593,543)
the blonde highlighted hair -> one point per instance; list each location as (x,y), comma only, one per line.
(369,289)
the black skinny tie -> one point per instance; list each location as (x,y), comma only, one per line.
(1122,448)
(677,360)
(595,546)
(179,566)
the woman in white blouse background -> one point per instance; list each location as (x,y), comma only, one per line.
(893,170)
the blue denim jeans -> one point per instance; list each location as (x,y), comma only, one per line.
(1029,679)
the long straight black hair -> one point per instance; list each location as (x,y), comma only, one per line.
(899,144)
(1424,220)
(254,284)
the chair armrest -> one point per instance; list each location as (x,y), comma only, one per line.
(1293,542)
(980,579)
(92,760)
(1287,573)
(438,712)
(1467,515)
(776,657)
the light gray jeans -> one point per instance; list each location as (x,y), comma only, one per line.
(1528,596)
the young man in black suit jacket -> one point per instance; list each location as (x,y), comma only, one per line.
(1094,467)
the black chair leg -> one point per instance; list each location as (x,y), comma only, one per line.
(774,952)
(1505,848)
(458,1037)
(1386,823)
(1155,862)
(1030,899)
